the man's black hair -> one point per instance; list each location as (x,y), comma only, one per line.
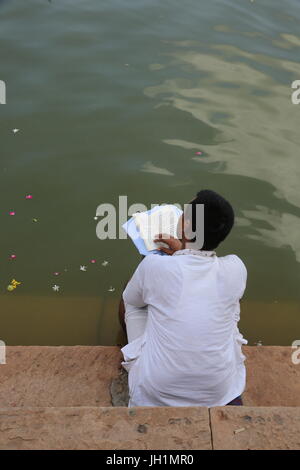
(218,217)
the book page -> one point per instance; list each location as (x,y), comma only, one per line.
(164,220)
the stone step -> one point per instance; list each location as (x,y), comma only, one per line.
(164,428)
(40,376)
(59,376)
(104,428)
(250,428)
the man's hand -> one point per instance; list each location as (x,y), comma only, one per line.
(173,243)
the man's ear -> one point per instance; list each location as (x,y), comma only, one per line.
(179,229)
(186,228)
(186,223)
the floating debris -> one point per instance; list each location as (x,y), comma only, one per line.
(259,343)
(34,220)
(105,263)
(82,268)
(15,130)
(12,213)
(111,289)
(95,218)
(236,431)
(56,288)
(28,196)
(13,285)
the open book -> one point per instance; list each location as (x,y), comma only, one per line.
(144,226)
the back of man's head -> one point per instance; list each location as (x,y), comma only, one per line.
(218,217)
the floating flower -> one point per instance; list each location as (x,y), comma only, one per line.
(95,218)
(15,130)
(56,288)
(12,213)
(111,289)
(34,220)
(105,263)
(56,274)
(93,261)
(82,268)
(28,196)
(12,256)
(13,285)
(198,153)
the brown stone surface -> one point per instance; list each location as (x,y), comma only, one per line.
(119,389)
(50,398)
(35,376)
(272,378)
(261,428)
(105,428)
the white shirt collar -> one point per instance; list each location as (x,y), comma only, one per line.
(190,251)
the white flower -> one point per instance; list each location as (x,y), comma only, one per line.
(105,263)
(82,268)
(15,130)
(56,288)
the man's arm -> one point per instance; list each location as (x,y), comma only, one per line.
(173,243)
(133,294)
(134,291)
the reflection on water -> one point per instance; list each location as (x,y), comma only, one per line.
(247,111)
(118,98)
(148,167)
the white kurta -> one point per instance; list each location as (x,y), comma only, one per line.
(190,351)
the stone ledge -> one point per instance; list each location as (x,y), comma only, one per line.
(40,376)
(272,378)
(250,428)
(74,428)
(163,428)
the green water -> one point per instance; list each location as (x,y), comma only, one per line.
(115,98)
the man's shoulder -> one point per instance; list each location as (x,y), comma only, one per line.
(155,261)
(234,261)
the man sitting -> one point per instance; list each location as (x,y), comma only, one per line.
(181,315)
